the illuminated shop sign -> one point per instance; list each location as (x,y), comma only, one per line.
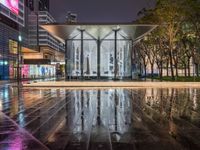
(13,46)
(13,5)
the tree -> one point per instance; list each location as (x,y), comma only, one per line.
(142,57)
(172,16)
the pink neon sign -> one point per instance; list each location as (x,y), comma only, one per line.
(13,5)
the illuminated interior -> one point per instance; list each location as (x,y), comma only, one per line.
(109,66)
(98,51)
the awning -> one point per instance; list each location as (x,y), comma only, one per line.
(98,31)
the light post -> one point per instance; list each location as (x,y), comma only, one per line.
(19,59)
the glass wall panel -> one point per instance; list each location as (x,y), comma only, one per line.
(108,64)
(74,58)
(123,59)
(107,61)
(90,58)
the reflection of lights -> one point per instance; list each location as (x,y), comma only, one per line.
(6,94)
(195,100)
(17,143)
(1,106)
(21,120)
(116,136)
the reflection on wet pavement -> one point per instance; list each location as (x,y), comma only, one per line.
(12,137)
(106,119)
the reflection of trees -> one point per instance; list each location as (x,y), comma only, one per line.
(172,108)
(185,103)
(172,126)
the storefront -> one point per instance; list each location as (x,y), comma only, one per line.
(38,71)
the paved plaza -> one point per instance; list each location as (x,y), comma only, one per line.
(63,118)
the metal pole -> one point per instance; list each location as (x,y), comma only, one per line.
(115,55)
(98,58)
(18,63)
(66,58)
(82,56)
(132,58)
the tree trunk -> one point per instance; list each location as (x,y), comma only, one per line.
(161,71)
(185,69)
(141,69)
(188,67)
(167,68)
(171,64)
(152,72)
(197,69)
(176,70)
(145,71)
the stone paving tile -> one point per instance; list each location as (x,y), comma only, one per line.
(102,119)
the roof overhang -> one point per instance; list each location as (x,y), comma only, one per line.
(98,31)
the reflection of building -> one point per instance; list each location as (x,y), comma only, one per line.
(106,108)
(103,49)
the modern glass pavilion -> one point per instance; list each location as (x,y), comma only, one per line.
(99,50)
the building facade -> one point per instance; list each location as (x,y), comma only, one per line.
(22,44)
(13,11)
(12,20)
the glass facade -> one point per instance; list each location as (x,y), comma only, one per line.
(112,55)
(8,50)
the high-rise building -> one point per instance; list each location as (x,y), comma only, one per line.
(51,50)
(14,11)
(14,36)
(22,37)
(38,5)
(71,17)
(43,5)
(48,44)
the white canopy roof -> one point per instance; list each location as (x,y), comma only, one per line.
(98,31)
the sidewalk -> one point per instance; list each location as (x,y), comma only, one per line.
(115,84)
(3,82)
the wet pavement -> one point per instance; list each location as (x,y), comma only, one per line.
(12,137)
(102,119)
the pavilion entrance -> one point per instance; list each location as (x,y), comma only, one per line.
(99,51)
(106,58)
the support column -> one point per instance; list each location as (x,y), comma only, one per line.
(132,58)
(98,59)
(115,55)
(66,58)
(82,56)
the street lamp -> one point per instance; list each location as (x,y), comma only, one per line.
(19,59)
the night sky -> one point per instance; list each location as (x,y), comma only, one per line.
(97,11)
